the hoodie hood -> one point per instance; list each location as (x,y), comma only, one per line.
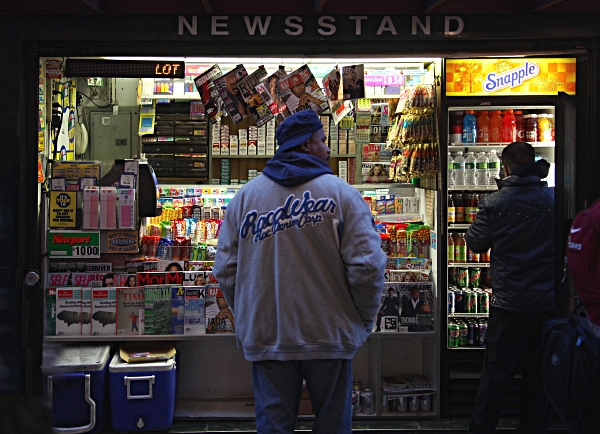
(294,168)
(527,174)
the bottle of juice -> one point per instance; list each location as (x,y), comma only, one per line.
(544,133)
(551,125)
(531,128)
(509,127)
(451,210)
(450,248)
(496,127)
(469,130)
(520,126)
(483,126)
(459,208)
(460,248)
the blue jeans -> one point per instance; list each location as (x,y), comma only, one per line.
(278,387)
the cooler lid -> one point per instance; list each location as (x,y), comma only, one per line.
(80,358)
(119,365)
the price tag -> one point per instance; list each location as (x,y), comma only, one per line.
(85,251)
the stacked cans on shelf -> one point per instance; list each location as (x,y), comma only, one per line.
(463,333)
(467,300)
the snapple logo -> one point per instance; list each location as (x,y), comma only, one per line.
(511,78)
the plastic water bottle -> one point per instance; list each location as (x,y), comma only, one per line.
(469,131)
(459,169)
(493,168)
(450,170)
(470,169)
(481,169)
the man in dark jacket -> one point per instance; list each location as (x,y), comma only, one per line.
(517,223)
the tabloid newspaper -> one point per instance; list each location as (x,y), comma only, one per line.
(208,92)
(232,99)
(256,105)
(300,91)
(268,91)
(337,105)
(406,385)
(353,79)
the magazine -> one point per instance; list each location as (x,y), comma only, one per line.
(268,91)
(157,309)
(256,105)
(375,172)
(211,99)
(198,278)
(177,309)
(353,81)
(130,311)
(232,99)
(406,385)
(125,280)
(415,304)
(300,91)
(195,314)
(219,318)
(337,105)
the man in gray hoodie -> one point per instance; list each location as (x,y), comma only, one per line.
(301,266)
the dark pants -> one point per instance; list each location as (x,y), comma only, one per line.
(278,386)
(512,342)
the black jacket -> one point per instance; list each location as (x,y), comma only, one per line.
(517,222)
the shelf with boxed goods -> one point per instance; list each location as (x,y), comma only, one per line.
(178,145)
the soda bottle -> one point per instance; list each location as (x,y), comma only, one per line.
(496,127)
(483,126)
(450,170)
(456,127)
(459,208)
(481,166)
(469,130)
(451,210)
(544,133)
(531,128)
(520,125)
(459,169)
(551,126)
(493,167)
(450,248)
(509,127)
(470,169)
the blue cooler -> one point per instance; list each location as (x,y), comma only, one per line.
(142,395)
(77,386)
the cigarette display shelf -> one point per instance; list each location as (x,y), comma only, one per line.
(469,265)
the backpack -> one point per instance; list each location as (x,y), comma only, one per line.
(570,355)
(583,258)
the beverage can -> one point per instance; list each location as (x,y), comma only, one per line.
(483,325)
(484,302)
(474,277)
(453,335)
(393,404)
(367,401)
(464,333)
(459,300)
(413,403)
(471,301)
(425,402)
(462,277)
(473,331)
(451,302)
(385,402)
(402,403)
(355,402)
(452,275)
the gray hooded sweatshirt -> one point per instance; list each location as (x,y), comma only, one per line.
(300,263)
